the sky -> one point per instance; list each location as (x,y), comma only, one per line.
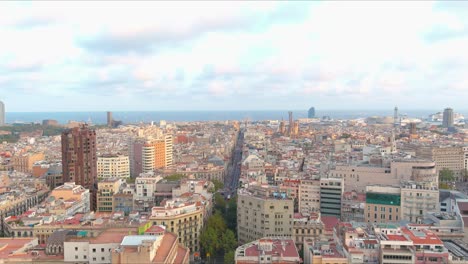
(152,56)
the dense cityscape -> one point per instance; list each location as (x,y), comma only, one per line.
(233,132)
(381,189)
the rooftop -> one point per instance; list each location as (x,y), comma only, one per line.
(137,240)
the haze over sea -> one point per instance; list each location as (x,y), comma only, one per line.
(253,115)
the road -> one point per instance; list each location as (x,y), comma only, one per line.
(231,181)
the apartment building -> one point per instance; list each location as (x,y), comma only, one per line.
(113,166)
(331,190)
(70,193)
(268,250)
(307,227)
(105,195)
(24,162)
(391,172)
(450,157)
(417,200)
(263,212)
(185,219)
(163,249)
(94,250)
(383,204)
(309,195)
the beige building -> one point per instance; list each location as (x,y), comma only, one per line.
(24,162)
(309,195)
(383,204)
(168,140)
(162,249)
(184,219)
(451,157)
(106,190)
(307,228)
(417,200)
(113,166)
(357,177)
(263,212)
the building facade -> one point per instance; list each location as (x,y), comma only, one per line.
(79,159)
(383,204)
(113,166)
(331,190)
(263,212)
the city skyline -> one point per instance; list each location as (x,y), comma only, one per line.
(161,56)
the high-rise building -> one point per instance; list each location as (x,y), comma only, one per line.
(168,141)
(311,113)
(147,155)
(395,117)
(282,128)
(447,120)
(2,113)
(79,159)
(290,127)
(109,119)
(331,190)
(263,212)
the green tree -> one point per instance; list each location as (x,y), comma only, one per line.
(209,241)
(175,177)
(218,185)
(446,175)
(220,203)
(229,257)
(216,221)
(229,241)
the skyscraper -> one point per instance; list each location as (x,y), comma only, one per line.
(395,117)
(447,120)
(109,119)
(290,127)
(2,114)
(79,159)
(311,113)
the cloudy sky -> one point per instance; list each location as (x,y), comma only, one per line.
(79,56)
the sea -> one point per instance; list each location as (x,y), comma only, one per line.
(134,117)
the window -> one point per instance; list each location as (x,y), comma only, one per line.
(102,258)
(84,256)
(94,250)
(76,248)
(76,256)
(102,249)
(94,259)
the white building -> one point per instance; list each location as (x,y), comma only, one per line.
(113,166)
(93,250)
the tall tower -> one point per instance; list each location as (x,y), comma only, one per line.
(395,117)
(447,120)
(2,114)
(79,159)
(311,113)
(109,119)
(290,127)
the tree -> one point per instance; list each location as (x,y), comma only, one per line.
(209,241)
(220,203)
(174,177)
(229,241)
(446,175)
(216,221)
(229,257)
(218,185)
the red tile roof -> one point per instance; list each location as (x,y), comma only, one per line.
(289,249)
(330,222)
(429,238)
